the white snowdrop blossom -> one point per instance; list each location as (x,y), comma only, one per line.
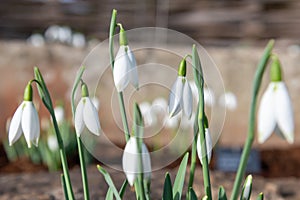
(276,110)
(181,97)
(59,114)
(208,146)
(209,97)
(149,117)
(229,100)
(86,115)
(125,69)
(25,120)
(160,106)
(130,161)
(52,143)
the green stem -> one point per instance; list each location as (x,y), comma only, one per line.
(198,77)
(63,157)
(79,142)
(251,129)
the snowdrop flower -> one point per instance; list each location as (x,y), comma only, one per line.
(130,161)
(86,114)
(275,108)
(160,106)
(52,33)
(228,99)
(148,116)
(78,40)
(52,143)
(181,97)
(171,122)
(96,102)
(208,146)
(25,120)
(36,40)
(209,97)
(125,69)
(246,192)
(59,114)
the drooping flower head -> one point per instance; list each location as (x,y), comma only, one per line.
(208,143)
(181,97)
(275,111)
(25,120)
(125,69)
(130,161)
(86,114)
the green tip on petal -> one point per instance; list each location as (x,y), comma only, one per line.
(182,68)
(275,69)
(205,120)
(260,196)
(122,36)
(84,90)
(28,92)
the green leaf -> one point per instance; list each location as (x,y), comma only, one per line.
(112,29)
(63,183)
(192,194)
(168,191)
(42,88)
(260,196)
(123,188)
(197,68)
(222,194)
(75,85)
(109,194)
(109,181)
(179,180)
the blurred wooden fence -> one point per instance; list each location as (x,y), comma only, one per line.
(208,19)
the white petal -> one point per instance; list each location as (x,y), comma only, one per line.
(59,114)
(146,162)
(130,160)
(90,116)
(30,123)
(121,69)
(15,129)
(187,100)
(209,97)
(134,78)
(266,115)
(176,96)
(208,146)
(79,124)
(284,111)
(247,187)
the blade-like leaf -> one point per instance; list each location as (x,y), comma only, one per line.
(109,181)
(109,194)
(179,180)
(197,68)
(260,196)
(64,186)
(168,191)
(76,83)
(42,88)
(123,188)
(192,194)
(222,194)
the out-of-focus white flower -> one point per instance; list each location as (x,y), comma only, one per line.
(246,192)
(181,97)
(148,116)
(130,161)
(125,69)
(52,33)
(36,40)
(208,146)
(25,120)
(229,100)
(78,40)
(52,143)
(65,34)
(59,114)
(86,115)
(275,109)
(209,97)
(160,106)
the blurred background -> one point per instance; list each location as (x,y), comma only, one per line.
(56,35)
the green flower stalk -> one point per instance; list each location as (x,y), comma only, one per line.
(251,125)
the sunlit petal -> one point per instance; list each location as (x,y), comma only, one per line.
(284,112)
(15,129)
(187,100)
(266,115)
(208,146)
(90,116)
(30,123)
(130,160)
(79,123)
(176,96)
(121,69)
